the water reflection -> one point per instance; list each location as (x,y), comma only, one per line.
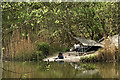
(1,69)
(109,70)
(60,70)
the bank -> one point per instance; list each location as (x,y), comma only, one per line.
(109,52)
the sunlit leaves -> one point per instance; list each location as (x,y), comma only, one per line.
(45,11)
(60,19)
(23,34)
(32,24)
(3,48)
(38,21)
(57,21)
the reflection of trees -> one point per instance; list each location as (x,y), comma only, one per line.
(0,69)
(40,70)
(19,73)
(117,70)
(65,70)
(14,70)
(85,71)
(109,70)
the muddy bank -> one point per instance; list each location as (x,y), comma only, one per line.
(69,57)
(98,56)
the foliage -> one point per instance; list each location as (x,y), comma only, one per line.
(90,58)
(44,47)
(25,76)
(55,23)
(88,66)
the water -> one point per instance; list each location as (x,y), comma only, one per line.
(60,70)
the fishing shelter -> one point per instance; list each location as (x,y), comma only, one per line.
(89,45)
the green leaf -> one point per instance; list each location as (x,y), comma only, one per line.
(23,34)
(3,48)
(56,21)
(38,21)
(32,24)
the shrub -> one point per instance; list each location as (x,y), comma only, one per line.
(88,66)
(66,49)
(44,47)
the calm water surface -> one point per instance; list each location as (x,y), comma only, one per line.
(60,70)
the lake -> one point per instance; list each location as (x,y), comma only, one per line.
(60,70)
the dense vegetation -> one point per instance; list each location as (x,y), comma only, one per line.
(37,29)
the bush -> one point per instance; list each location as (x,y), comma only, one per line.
(67,49)
(63,49)
(44,47)
(88,66)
